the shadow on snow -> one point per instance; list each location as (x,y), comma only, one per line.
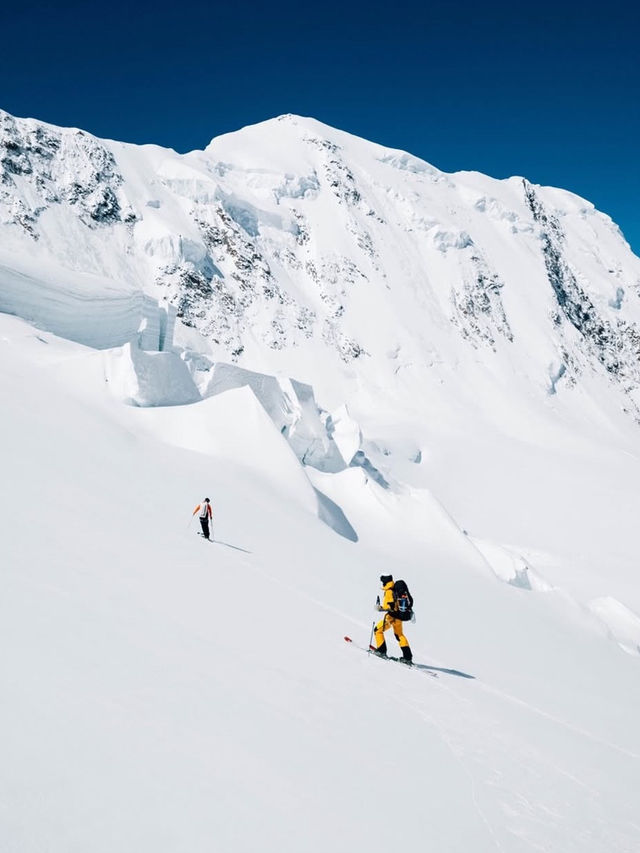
(442,669)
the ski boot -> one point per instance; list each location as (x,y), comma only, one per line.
(407,657)
(381,651)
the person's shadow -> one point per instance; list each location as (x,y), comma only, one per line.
(442,669)
(228,545)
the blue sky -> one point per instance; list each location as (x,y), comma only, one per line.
(546,91)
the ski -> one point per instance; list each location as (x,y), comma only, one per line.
(428,669)
(409,665)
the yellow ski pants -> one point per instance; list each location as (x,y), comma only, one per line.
(389,622)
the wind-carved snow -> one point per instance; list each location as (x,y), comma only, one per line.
(140,378)
(621,622)
(86,308)
(298,186)
(292,407)
(319,440)
(408,163)
(446,240)
(511,567)
(498,212)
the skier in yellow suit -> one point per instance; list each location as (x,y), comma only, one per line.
(390,620)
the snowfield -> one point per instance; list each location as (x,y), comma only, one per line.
(370,367)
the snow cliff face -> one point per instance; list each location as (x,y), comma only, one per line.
(289,244)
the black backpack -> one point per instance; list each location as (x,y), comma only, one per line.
(402,602)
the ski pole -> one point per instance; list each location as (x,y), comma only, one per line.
(373,624)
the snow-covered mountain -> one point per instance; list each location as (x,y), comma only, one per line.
(371,366)
(291,237)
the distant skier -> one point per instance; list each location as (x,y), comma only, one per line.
(397,606)
(204,514)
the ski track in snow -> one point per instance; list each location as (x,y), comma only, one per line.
(561,722)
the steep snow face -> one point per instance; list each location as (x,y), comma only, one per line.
(290,244)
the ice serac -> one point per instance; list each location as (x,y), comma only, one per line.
(292,408)
(141,378)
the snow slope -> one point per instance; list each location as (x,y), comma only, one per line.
(162,693)
(369,366)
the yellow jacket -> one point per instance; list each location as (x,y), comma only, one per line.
(387,601)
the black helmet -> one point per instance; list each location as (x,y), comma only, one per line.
(207,501)
(385,579)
